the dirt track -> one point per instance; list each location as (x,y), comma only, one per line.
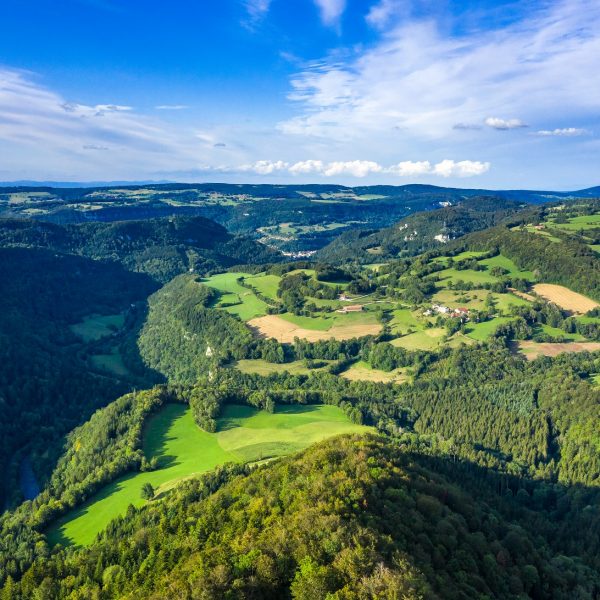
(285,332)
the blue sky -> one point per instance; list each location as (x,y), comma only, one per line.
(466,93)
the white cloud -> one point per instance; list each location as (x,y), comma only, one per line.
(331,10)
(444,168)
(306,166)
(504,124)
(256,10)
(265,167)
(362,168)
(382,12)
(356,168)
(422,81)
(171,107)
(565,132)
(462,168)
(409,168)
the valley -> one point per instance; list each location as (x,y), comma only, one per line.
(200,360)
(183,450)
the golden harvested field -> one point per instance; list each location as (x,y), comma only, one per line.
(285,331)
(534,349)
(564,297)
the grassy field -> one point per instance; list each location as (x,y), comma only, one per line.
(509,265)
(95,327)
(482,331)
(183,450)
(248,306)
(265,284)
(467,275)
(427,339)
(262,367)
(113,362)
(363,371)
(582,222)
(402,321)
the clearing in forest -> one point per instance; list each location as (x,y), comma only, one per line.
(344,327)
(363,371)
(565,298)
(244,434)
(532,350)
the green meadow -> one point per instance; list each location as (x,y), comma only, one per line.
(95,326)
(183,450)
(236,299)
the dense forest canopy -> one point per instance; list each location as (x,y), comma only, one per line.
(466,338)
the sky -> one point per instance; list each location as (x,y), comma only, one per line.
(466,93)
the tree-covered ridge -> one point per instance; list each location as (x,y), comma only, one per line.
(161,248)
(351,518)
(571,263)
(47,382)
(420,232)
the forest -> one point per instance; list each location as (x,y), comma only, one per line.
(469,398)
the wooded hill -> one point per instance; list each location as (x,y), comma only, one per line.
(352,518)
(161,248)
(417,233)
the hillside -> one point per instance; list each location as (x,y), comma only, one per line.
(355,518)
(419,232)
(435,352)
(293,218)
(161,248)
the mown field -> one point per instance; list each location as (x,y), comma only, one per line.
(96,327)
(183,450)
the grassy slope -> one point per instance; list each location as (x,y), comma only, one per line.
(183,450)
(95,327)
(249,305)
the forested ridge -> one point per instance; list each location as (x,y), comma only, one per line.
(161,248)
(417,233)
(351,518)
(483,477)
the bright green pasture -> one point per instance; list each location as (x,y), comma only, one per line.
(468,276)
(482,331)
(582,222)
(96,326)
(403,320)
(427,339)
(265,284)
(509,265)
(558,333)
(184,450)
(249,305)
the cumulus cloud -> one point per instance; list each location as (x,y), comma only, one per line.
(362,168)
(565,132)
(444,168)
(265,167)
(504,124)
(331,10)
(306,166)
(409,168)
